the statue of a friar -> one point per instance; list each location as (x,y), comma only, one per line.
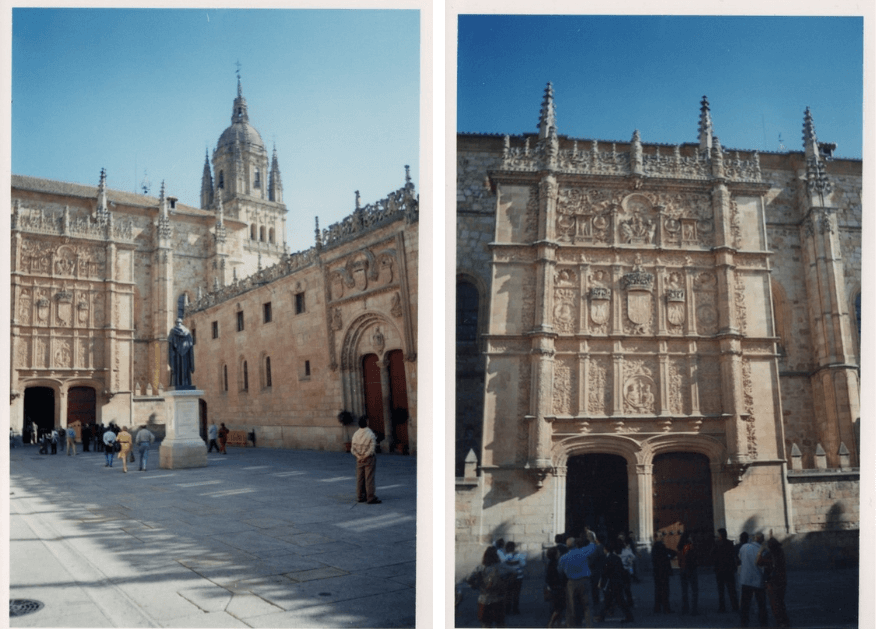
(181,356)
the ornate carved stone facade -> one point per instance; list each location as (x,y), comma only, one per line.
(328,329)
(641,280)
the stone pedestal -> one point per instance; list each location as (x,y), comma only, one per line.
(183,446)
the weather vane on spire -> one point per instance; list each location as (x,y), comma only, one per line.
(237,63)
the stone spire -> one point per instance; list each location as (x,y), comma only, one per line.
(637,166)
(206,183)
(102,210)
(163,216)
(239,114)
(548,116)
(810,140)
(275,184)
(706,130)
(817,183)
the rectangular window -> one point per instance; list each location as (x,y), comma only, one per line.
(299,303)
(194,336)
(267,308)
(306,368)
(215,326)
(240,321)
(225,376)
(268,371)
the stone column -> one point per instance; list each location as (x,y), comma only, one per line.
(560,500)
(617,397)
(386,402)
(62,409)
(641,477)
(731,376)
(542,396)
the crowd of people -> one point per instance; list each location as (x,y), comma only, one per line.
(589,576)
(115,442)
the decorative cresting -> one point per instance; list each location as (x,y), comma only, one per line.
(690,163)
(403,203)
(638,285)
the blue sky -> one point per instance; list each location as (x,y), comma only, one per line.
(615,74)
(148,91)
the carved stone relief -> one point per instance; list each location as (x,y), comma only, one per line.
(25,304)
(337,320)
(386,270)
(639,388)
(530,219)
(706,302)
(565,311)
(563,387)
(709,384)
(528,303)
(677,387)
(638,285)
(22,353)
(65,261)
(675,302)
(741,312)
(63,357)
(748,396)
(396,309)
(599,391)
(42,307)
(39,349)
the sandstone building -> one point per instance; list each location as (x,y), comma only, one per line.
(652,337)
(99,276)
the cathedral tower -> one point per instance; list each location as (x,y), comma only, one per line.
(249,187)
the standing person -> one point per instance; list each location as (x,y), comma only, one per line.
(613,582)
(44,446)
(212,433)
(490,580)
(556,584)
(223,438)
(124,438)
(751,580)
(86,438)
(517,561)
(71,441)
(687,563)
(364,448)
(575,564)
(724,560)
(109,445)
(597,560)
(772,560)
(55,438)
(144,441)
(628,558)
(660,558)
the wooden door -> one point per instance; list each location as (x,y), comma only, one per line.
(373,392)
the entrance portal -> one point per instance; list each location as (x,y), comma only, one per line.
(39,407)
(81,407)
(373,393)
(398,389)
(683,499)
(597,495)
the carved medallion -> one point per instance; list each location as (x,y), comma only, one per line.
(639,393)
(600,305)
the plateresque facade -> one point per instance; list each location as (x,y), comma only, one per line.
(99,277)
(654,337)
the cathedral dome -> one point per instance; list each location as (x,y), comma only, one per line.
(240,129)
(243,132)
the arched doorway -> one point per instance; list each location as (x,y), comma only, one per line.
(683,499)
(398,390)
(597,495)
(39,407)
(81,407)
(373,393)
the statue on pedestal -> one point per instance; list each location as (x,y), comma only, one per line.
(181,356)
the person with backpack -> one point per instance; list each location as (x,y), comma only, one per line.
(491,579)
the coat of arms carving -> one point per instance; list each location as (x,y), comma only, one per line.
(638,284)
(600,304)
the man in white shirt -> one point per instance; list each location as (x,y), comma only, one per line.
(751,580)
(364,447)
(212,434)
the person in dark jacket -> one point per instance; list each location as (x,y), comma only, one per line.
(660,558)
(687,563)
(613,582)
(772,560)
(556,584)
(724,560)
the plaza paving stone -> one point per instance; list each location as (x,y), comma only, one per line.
(258,538)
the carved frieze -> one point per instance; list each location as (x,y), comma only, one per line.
(677,386)
(25,304)
(708,373)
(748,401)
(706,302)
(741,310)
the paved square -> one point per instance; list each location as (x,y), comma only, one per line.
(259,538)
